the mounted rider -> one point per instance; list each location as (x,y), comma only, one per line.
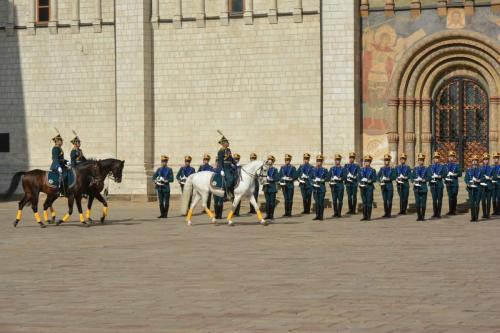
(227,166)
(59,163)
(76,153)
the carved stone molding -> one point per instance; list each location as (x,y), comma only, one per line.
(410,137)
(393,137)
(426,137)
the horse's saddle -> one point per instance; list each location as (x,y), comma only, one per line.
(68,177)
(216,182)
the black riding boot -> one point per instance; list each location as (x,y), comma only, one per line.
(364,213)
(369,213)
(335,209)
(339,209)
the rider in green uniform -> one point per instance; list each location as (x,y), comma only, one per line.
(76,153)
(227,167)
(59,163)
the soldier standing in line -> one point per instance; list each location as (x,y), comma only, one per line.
(305,183)
(185,171)
(453,172)
(270,188)
(403,173)
(473,177)
(487,185)
(351,184)
(253,157)
(337,178)
(319,176)
(421,175)
(287,175)
(367,177)
(386,176)
(207,167)
(162,179)
(496,185)
(438,173)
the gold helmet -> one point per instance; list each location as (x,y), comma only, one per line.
(164,158)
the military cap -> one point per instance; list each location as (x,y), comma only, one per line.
(497,155)
(288,157)
(368,158)
(475,158)
(421,156)
(320,157)
(253,156)
(451,153)
(338,156)
(187,158)
(207,157)
(403,155)
(76,139)
(164,158)
(352,154)
(486,156)
(387,157)
(307,155)
(236,156)
(437,154)
(223,140)
(271,157)
(57,137)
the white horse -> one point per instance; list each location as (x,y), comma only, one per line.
(198,185)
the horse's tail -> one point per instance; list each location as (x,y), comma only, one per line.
(14,183)
(186,195)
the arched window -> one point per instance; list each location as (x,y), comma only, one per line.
(236,6)
(42,11)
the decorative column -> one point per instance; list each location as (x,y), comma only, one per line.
(426,136)
(155,14)
(469,7)
(415,8)
(10,17)
(273,11)
(177,20)
(493,135)
(31,17)
(248,15)
(98,16)
(297,11)
(200,16)
(364,8)
(441,7)
(409,106)
(224,14)
(75,16)
(53,17)
(392,134)
(389,8)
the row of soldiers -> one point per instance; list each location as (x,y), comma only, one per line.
(482,183)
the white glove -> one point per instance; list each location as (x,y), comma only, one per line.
(68,164)
(269,178)
(317,179)
(222,173)
(364,179)
(487,177)
(59,169)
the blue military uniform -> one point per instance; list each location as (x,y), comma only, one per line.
(184,172)
(76,155)
(421,175)
(351,184)
(338,176)
(287,175)
(162,178)
(473,178)
(305,183)
(453,172)
(487,186)
(438,173)
(367,177)
(386,176)
(496,186)
(207,167)
(403,175)
(319,176)
(58,163)
(270,189)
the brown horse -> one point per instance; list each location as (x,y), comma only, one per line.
(35,181)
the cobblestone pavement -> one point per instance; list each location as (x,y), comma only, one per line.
(141,274)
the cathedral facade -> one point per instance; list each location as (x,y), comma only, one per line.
(140,78)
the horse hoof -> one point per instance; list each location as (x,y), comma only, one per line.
(85,225)
(230,223)
(214,221)
(59,222)
(15,223)
(264,222)
(190,223)
(42,225)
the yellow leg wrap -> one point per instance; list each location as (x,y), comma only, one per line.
(230,215)
(81,218)
(37,217)
(189,215)
(19,215)
(45,216)
(87,214)
(209,213)
(104,211)
(259,215)
(53,211)
(66,217)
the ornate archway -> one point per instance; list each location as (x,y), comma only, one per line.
(422,69)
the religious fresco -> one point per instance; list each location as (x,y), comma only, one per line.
(385,40)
